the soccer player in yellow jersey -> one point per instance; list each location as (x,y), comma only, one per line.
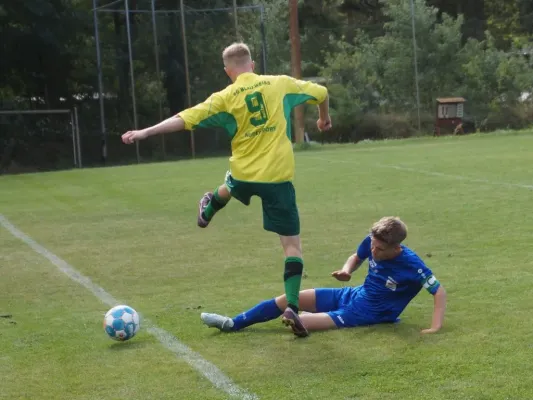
(255,111)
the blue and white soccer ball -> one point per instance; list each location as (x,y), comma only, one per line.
(121,323)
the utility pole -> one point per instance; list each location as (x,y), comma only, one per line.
(296,66)
(415,63)
(187,76)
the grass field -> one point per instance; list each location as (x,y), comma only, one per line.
(132,230)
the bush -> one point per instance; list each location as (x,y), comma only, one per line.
(376,126)
(383,126)
(519,116)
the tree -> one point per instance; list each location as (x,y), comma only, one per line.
(40,50)
(377,74)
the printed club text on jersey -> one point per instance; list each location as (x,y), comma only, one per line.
(268,129)
(245,88)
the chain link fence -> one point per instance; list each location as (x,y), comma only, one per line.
(154,63)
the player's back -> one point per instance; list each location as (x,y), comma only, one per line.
(261,107)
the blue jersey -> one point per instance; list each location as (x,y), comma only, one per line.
(391,284)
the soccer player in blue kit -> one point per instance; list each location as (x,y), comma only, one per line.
(395,276)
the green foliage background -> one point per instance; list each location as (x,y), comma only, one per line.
(361,49)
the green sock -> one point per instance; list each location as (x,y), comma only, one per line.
(216,203)
(293,278)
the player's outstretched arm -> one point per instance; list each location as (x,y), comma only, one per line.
(439,299)
(324,120)
(172,124)
(345,274)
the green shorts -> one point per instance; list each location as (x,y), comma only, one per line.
(280,213)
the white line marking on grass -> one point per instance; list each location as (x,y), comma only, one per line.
(457,177)
(195,360)
(431,173)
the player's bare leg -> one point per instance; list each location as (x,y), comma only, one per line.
(311,320)
(317,322)
(210,203)
(306,300)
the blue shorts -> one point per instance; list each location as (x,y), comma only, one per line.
(342,305)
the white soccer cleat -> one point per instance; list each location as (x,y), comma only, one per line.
(217,321)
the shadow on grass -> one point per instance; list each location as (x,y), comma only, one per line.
(131,344)
(410,332)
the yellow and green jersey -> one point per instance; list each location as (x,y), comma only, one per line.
(255,111)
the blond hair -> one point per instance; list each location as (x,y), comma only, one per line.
(391,230)
(236,54)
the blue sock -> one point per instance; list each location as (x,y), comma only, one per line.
(262,312)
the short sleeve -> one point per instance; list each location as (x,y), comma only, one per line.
(309,92)
(363,251)
(210,113)
(426,278)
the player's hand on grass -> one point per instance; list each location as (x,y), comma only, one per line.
(324,124)
(430,330)
(134,136)
(341,275)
